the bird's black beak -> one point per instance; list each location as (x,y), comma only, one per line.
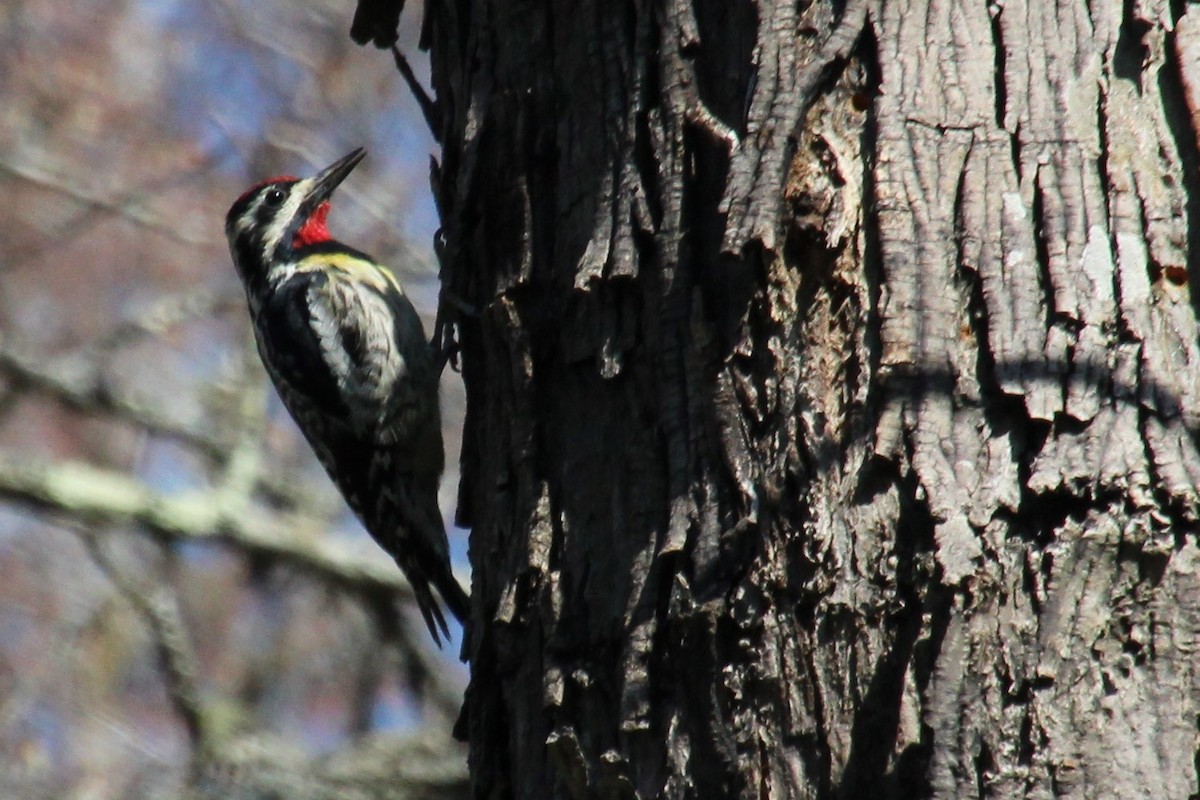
(328,179)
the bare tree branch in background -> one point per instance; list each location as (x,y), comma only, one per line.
(186,608)
(159,607)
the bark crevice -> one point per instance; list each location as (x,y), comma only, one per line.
(832,404)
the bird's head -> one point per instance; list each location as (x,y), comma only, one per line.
(278,216)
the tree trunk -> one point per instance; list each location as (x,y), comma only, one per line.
(833,395)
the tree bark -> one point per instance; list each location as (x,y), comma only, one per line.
(833,395)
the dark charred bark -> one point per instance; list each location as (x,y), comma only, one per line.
(833,395)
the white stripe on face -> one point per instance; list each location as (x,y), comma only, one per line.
(274,232)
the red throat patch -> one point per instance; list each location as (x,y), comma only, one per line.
(315,229)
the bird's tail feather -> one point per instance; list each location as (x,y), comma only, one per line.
(437,572)
(456,599)
(430,611)
(408,510)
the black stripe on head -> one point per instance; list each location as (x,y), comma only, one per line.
(247,225)
(247,197)
(238,209)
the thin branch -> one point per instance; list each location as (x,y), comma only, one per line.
(78,383)
(158,605)
(130,206)
(428,764)
(243,471)
(166,313)
(429,108)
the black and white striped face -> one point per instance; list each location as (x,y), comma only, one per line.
(262,219)
(266,223)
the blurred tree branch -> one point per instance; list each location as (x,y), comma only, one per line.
(130,205)
(134,416)
(82,381)
(80,384)
(157,604)
(107,497)
(425,767)
(232,763)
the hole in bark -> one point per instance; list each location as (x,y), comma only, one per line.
(985,765)
(1042,248)
(1176,274)
(1152,566)
(1027,748)
(1136,650)
(1001,88)
(1131,51)
(910,773)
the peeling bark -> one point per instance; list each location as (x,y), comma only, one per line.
(834,396)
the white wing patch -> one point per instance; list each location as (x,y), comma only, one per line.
(356,332)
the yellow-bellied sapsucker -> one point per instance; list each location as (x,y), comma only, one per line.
(347,352)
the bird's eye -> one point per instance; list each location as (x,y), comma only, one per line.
(274,197)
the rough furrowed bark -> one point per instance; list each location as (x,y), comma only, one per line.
(834,395)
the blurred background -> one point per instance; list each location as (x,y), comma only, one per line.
(186,606)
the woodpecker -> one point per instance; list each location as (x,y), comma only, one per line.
(348,355)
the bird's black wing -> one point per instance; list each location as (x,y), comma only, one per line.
(374,477)
(292,351)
